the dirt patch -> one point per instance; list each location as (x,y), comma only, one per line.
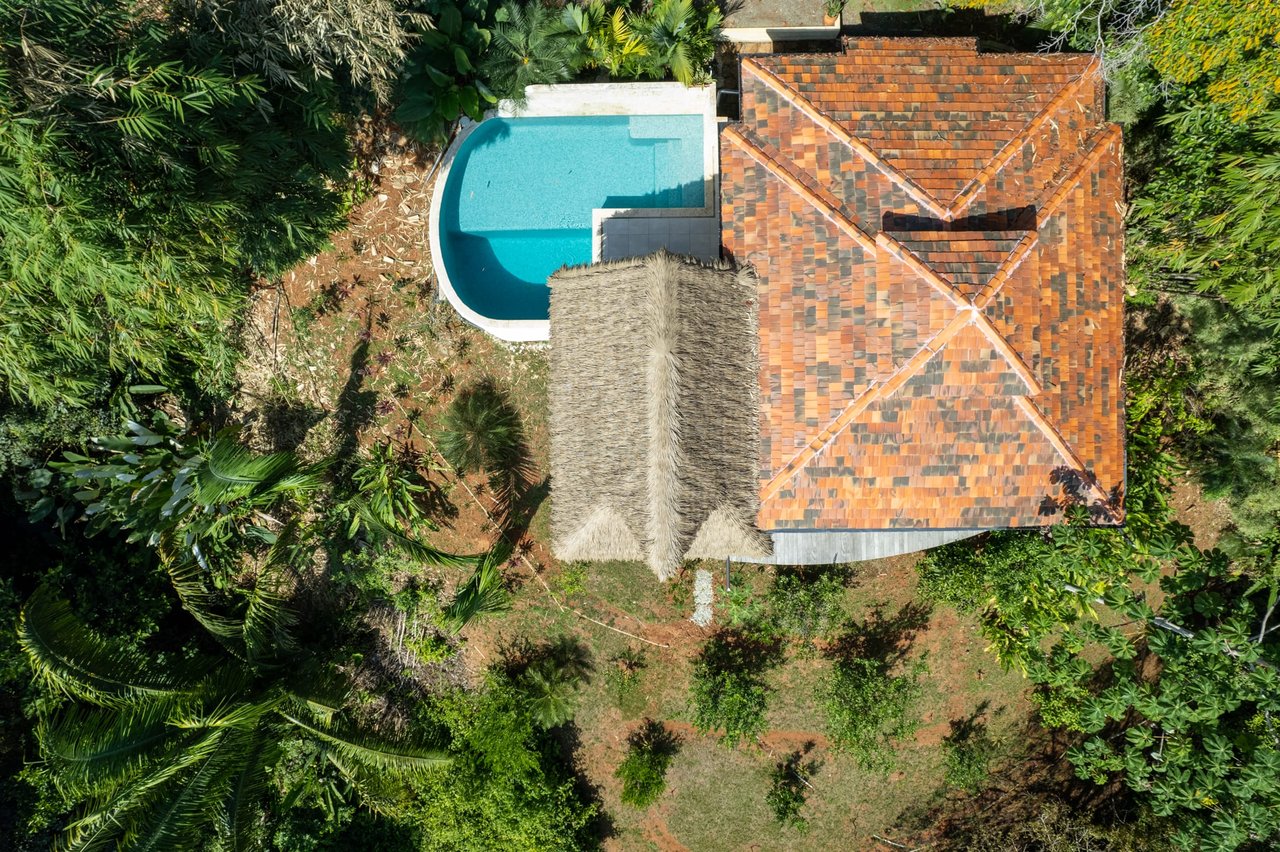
(1208,519)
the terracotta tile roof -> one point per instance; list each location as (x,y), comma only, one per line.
(938,241)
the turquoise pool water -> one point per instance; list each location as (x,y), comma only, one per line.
(518,199)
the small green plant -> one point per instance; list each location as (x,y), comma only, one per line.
(968,751)
(571,582)
(806,604)
(429,648)
(868,708)
(729,693)
(623,677)
(744,608)
(788,789)
(644,770)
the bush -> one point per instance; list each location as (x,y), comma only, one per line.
(867,709)
(729,693)
(804,604)
(967,755)
(623,677)
(644,770)
(788,783)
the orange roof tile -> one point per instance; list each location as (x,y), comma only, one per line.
(939,245)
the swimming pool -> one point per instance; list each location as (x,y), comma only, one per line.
(517,201)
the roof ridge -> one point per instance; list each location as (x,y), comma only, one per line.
(1006,350)
(1012,261)
(970,191)
(743,138)
(856,406)
(1051,200)
(913,262)
(829,124)
(780,170)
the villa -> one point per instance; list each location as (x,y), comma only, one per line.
(913,332)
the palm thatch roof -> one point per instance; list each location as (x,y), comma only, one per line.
(654,412)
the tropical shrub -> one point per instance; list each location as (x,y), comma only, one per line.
(360,44)
(729,694)
(643,771)
(607,39)
(1229,45)
(481,432)
(867,708)
(441,80)
(144,173)
(1019,584)
(547,679)
(680,37)
(805,604)
(507,787)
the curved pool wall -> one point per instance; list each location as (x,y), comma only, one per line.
(524,192)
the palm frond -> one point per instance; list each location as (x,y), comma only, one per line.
(179,820)
(240,816)
(190,583)
(482,593)
(112,819)
(375,528)
(92,749)
(75,661)
(231,472)
(371,752)
(267,620)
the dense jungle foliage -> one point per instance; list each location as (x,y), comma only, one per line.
(191,651)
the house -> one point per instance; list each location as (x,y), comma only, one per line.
(935,239)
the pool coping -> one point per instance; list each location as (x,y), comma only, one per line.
(578,99)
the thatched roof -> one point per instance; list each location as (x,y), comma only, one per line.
(654,415)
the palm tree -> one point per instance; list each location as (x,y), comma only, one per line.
(164,754)
(530,46)
(481,431)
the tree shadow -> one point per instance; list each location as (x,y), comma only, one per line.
(881,637)
(355,409)
(738,650)
(285,423)
(846,573)
(567,655)
(566,746)
(970,727)
(790,787)
(526,505)
(654,736)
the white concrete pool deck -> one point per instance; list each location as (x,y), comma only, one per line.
(616,232)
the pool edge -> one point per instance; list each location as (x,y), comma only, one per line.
(571,99)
